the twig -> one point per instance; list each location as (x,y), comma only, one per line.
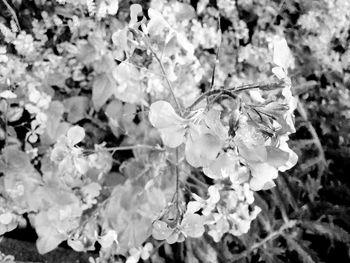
(13,13)
(270,237)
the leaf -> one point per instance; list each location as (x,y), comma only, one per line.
(304,256)
(331,231)
(102,90)
(75,135)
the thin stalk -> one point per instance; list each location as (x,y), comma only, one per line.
(164,73)
(13,13)
(234,90)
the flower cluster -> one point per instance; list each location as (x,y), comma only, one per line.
(87,94)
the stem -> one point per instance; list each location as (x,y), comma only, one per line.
(137,146)
(232,91)
(164,73)
(130,147)
(177,178)
(160,244)
(6,122)
(199,182)
(13,13)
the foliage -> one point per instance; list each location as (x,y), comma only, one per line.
(130,130)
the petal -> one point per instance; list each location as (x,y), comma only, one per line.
(276,157)
(262,175)
(75,135)
(173,136)
(282,55)
(192,225)
(163,115)
(161,231)
(202,150)
(279,72)
(221,167)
